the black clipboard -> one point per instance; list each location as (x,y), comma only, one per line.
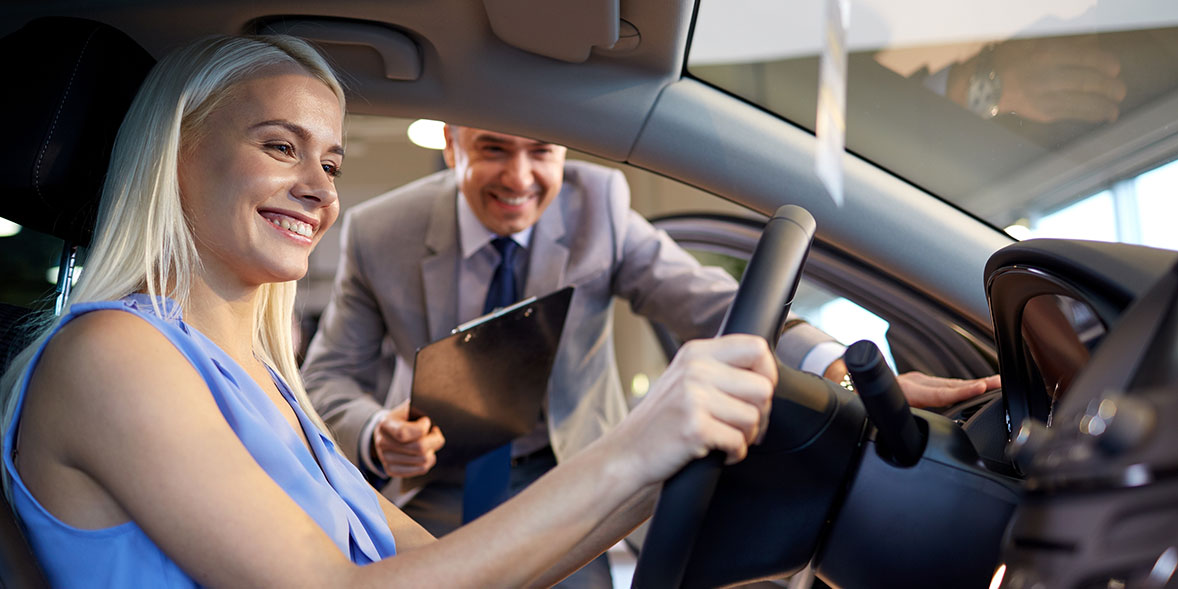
(484,384)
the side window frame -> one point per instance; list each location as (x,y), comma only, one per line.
(923,335)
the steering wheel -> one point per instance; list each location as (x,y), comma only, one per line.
(760,307)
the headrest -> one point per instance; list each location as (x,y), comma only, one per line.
(70,83)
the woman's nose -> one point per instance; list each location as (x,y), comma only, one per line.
(316,185)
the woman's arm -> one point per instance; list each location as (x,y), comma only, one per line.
(715,394)
(116,403)
(617,526)
(116,410)
(410,534)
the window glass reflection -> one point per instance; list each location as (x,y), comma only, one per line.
(26,256)
(1014,115)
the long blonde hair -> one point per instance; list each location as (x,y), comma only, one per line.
(142,242)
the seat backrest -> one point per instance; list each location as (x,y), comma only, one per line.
(70,83)
(12,332)
(18,566)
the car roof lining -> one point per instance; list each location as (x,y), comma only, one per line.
(456,44)
(630,106)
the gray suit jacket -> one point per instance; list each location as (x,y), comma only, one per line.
(395,292)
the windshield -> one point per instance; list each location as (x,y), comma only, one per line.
(1049,119)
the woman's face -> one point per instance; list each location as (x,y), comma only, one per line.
(258,182)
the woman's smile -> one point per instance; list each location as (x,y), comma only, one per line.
(297,229)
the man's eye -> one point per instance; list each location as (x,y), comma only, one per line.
(282,148)
(332,170)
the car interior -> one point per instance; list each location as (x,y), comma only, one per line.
(1063,478)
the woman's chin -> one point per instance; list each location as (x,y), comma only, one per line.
(285,273)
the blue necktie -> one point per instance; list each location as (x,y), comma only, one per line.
(489,475)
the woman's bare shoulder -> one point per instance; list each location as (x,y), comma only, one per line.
(107,381)
(106,349)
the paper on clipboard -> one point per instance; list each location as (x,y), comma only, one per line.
(484,384)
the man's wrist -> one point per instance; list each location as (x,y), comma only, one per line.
(367,446)
(836,370)
(825,359)
(984,87)
(805,347)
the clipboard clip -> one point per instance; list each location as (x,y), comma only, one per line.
(493,314)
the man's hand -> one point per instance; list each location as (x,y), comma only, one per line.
(406,447)
(923,390)
(1048,80)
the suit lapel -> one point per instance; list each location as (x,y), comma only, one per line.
(438,276)
(549,255)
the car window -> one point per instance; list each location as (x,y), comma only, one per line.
(374,141)
(842,318)
(1135,210)
(1047,119)
(838,316)
(28,263)
(640,354)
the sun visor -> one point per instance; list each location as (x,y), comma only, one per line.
(567,31)
(355,43)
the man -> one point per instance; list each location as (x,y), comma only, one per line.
(417,261)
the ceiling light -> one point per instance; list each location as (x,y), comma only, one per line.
(428,134)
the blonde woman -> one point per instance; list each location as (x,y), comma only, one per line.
(157,433)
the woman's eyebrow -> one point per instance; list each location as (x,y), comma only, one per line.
(302,133)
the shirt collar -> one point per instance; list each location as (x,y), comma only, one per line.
(473,235)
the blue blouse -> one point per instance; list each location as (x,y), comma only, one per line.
(326,485)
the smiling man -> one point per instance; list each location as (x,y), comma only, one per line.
(417,261)
(507,181)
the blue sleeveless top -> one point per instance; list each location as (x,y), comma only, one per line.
(336,496)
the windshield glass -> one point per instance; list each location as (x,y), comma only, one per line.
(1055,118)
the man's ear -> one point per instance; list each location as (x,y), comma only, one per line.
(451,134)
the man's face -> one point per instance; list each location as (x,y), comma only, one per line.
(508,181)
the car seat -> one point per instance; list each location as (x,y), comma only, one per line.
(72,83)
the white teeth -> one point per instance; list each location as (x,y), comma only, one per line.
(515,202)
(292,225)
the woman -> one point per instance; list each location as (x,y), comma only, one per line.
(157,434)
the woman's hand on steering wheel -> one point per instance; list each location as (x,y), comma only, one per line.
(715,395)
